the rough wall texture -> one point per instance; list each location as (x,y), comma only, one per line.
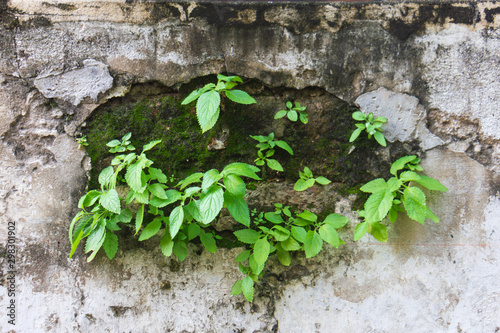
(433,69)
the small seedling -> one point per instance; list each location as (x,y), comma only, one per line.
(266,150)
(307,180)
(371,125)
(293,113)
(82,141)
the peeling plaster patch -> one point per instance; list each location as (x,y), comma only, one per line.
(406,117)
(75,85)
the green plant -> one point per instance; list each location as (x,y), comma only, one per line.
(266,149)
(281,233)
(293,113)
(82,141)
(209,99)
(307,180)
(397,194)
(371,125)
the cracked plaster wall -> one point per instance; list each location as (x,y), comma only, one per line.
(432,67)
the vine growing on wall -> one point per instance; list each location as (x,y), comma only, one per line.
(181,212)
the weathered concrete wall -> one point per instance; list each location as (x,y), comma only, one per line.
(432,69)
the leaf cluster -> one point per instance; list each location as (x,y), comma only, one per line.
(397,194)
(293,112)
(307,180)
(266,150)
(370,125)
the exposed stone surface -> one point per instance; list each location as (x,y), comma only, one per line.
(439,61)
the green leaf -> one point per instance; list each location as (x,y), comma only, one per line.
(308,172)
(430,215)
(377,206)
(307,215)
(260,138)
(247,288)
(96,237)
(393,214)
(380,138)
(355,134)
(238,208)
(243,256)
(379,231)
(312,244)
(208,241)
(431,184)
(273,164)
(247,236)
(394,184)
(211,204)
(158,175)
(175,220)
(329,235)
(110,244)
(240,97)
(303,118)
(207,109)
(280,233)
(280,114)
(284,145)
(360,230)
(139,218)
(299,233)
(133,176)
(290,244)
(89,199)
(180,250)
(359,116)
(193,231)
(254,266)
(283,256)
(408,176)
(113,143)
(141,197)
(374,186)
(414,202)
(110,201)
(237,288)
(106,176)
(292,115)
(209,178)
(158,191)
(400,163)
(322,180)
(151,229)
(261,251)
(241,169)
(166,244)
(336,220)
(274,218)
(150,145)
(192,96)
(193,178)
(302,185)
(235,185)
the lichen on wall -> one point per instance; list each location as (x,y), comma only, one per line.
(104,68)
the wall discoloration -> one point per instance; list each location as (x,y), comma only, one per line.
(441,56)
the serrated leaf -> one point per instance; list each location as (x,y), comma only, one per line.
(247,236)
(408,176)
(336,220)
(194,210)
(110,244)
(414,203)
(299,233)
(431,184)
(360,230)
(134,178)
(238,208)
(393,214)
(243,256)
(209,178)
(283,256)
(151,229)
(237,288)
(96,237)
(261,251)
(106,176)
(290,244)
(240,97)
(307,215)
(208,241)
(180,250)
(207,109)
(312,244)
(247,288)
(175,220)
(322,180)
(355,134)
(192,97)
(394,184)
(166,244)
(211,203)
(400,163)
(193,178)
(302,185)
(235,185)
(329,235)
(139,218)
(379,231)
(193,231)
(110,201)
(89,199)
(241,169)
(157,190)
(274,218)
(158,175)
(284,145)
(377,206)
(280,233)
(374,186)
